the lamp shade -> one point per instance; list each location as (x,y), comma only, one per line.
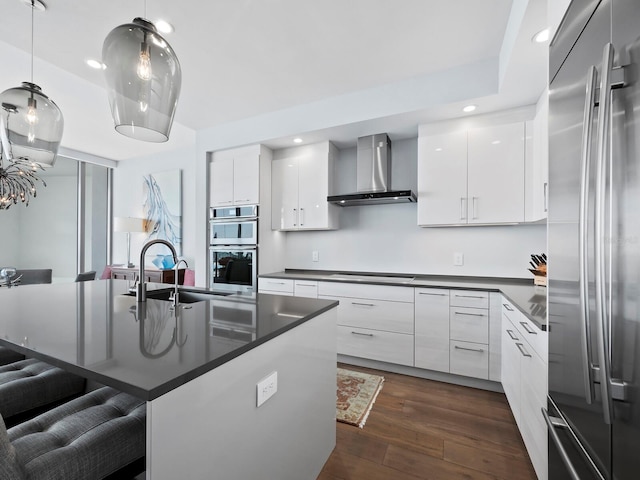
(128,224)
(143,78)
(31,125)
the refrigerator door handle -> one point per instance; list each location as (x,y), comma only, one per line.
(551,426)
(603,160)
(585,170)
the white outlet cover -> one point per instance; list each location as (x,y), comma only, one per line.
(267,388)
(458,259)
(315,256)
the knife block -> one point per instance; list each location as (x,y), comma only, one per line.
(540,280)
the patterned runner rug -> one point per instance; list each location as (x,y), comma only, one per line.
(356,394)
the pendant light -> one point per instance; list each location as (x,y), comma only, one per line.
(31,124)
(143,77)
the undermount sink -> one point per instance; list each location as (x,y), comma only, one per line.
(184,296)
(354,277)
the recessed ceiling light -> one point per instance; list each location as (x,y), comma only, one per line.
(469,108)
(495,142)
(297,140)
(541,37)
(96,64)
(439,149)
(163,26)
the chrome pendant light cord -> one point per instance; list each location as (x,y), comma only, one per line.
(33,7)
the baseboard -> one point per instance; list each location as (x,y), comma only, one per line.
(422,373)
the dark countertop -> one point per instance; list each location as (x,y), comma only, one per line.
(94,330)
(530,299)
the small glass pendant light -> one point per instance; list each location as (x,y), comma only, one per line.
(143,77)
(31,124)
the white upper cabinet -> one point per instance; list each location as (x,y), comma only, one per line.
(300,181)
(472,177)
(442,179)
(495,185)
(537,162)
(234,177)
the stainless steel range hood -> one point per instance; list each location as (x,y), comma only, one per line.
(373,176)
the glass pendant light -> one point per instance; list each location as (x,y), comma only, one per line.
(143,77)
(31,124)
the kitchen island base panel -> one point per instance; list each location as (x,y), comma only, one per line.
(210,427)
(423,373)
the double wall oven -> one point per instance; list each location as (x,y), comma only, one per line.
(233,248)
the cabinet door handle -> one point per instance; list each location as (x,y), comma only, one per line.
(362,334)
(277,283)
(462,214)
(295,217)
(528,328)
(475,207)
(242,200)
(479,350)
(471,314)
(512,335)
(469,296)
(363,304)
(544,195)
(522,350)
(301,216)
(507,307)
(434,294)
(305,285)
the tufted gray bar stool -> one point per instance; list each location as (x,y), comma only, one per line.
(9,356)
(90,437)
(30,384)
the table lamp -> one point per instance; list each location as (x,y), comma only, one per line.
(128,225)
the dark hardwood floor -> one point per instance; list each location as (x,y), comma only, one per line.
(422,429)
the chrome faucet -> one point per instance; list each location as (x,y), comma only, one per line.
(141,292)
(174,297)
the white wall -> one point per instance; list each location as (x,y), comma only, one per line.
(128,198)
(47,229)
(385,238)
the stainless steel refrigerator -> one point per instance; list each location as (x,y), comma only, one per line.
(593,410)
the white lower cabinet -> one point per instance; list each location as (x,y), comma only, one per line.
(374,321)
(375,344)
(469,333)
(469,359)
(432,329)
(275,286)
(305,288)
(524,379)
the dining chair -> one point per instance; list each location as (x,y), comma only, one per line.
(86,276)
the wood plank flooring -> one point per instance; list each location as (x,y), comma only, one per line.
(422,429)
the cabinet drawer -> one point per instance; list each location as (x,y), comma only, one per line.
(538,339)
(377,292)
(469,359)
(469,298)
(376,345)
(305,288)
(469,324)
(279,285)
(374,314)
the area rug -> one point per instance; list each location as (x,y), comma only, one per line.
(356,394)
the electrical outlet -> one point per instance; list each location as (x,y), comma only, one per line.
(458,259)
(315,256)
(267,388)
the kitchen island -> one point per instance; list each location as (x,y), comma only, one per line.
(198,368)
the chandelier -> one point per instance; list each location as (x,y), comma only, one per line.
(18,181)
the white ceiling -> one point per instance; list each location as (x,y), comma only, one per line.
(246,58)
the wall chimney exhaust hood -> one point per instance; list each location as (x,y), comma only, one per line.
(373,176)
